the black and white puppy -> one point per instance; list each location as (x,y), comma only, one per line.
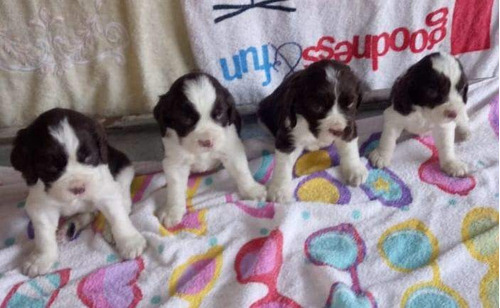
(70,168)
(311,109)
(199,125)
(429,96)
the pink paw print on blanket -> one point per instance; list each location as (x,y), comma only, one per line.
(430,172)
(112,286)
(41,291)
(342,248)
(260,261)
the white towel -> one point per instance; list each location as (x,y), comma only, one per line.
(251,45)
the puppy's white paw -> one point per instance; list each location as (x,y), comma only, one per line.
(132,246)
(455,168)
(254,191)
(354,174)
(379,160)
(280,193)
(38,263)
(313,148)
(462,133)
(171,216)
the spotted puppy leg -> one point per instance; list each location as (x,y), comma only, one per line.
(280,187)
(444,137)
(129,242)
(381,156)
(353,170)
(462,132)
(172,212)
(45,253)
(235,161)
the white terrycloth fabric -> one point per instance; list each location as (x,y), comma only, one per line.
(100,57)
(410,236)
(251,45)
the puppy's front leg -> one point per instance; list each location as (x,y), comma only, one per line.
(129,242)
(462,132)
(381,156)
(235,161)
(177,175)
(352,169)
(280,188)
(45,253)
(444,137)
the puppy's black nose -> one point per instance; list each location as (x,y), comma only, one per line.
(450,114)
(336,132)
(77,190)
(206,143)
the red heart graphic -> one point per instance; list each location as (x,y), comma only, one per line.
(320,51)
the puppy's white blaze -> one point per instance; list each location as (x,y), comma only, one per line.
(447,65)
(201,93)
(66,136)
(331,75)
(335,118)
(335,110)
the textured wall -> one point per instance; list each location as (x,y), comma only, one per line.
(101,57)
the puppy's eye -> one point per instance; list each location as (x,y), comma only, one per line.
(318,108)
(50,169)
(432,93)
(218,114)
(186,121)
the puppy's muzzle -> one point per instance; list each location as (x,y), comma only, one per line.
(336,132)
(450,114)
(77,190)
(206,143)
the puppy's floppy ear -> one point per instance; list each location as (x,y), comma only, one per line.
(401,97)
(102,142)
(287,117)
(360,98)
(466,90)
(158,112)
(21,159)
(465,80)
(357,98)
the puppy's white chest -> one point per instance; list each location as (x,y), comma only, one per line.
(203,162)
(304,138)
(76,206)
(417,122)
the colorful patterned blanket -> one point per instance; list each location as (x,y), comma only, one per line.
(410,236)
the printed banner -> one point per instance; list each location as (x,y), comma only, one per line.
(251,45)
